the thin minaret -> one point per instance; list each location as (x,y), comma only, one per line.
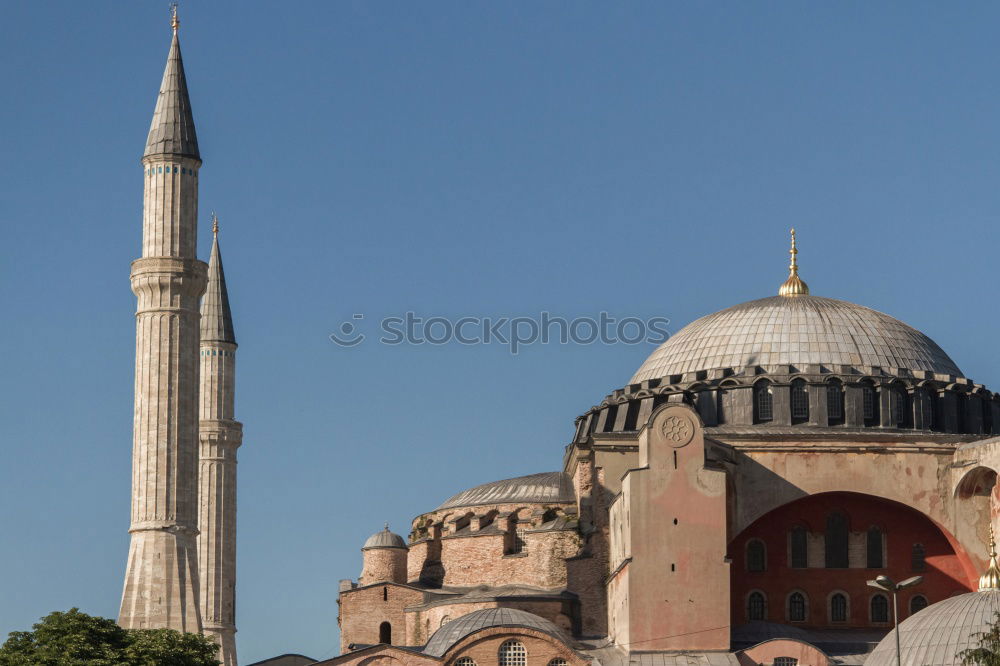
(220,436)
(161,581)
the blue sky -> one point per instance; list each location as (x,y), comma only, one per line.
(452,158)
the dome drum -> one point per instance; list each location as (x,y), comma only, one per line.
(836,397)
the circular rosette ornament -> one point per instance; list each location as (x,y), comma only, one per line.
(677,430)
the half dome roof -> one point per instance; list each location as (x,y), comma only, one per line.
(795,330)
(545,487)
(454,631)
(384,539)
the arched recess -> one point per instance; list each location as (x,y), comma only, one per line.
(976,505)
(948,567)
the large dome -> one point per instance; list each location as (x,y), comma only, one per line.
(795,330)
(937,634)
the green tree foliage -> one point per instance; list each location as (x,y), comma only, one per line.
(77,639)
(987,653)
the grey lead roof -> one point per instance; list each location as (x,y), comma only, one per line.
(172,130)
(939,632)
(545,487)
(216,317)
(454,631)
(795,330)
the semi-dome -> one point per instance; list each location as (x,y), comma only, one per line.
(452,632)
(384,539)
(795,330)
(940,632)
(545,487)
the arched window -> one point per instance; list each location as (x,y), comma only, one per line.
(918,557)
(797,607)
(800,401)
(385,633)
(756,555)
(512,653)
(465,661)
(515,537)
(838,608)
(763,402)
(875,558)
(785,661)
(900,406)
(928,412)
(756,607)
(834,403)
(918,603)
(799,547)
(385,593)
(558,661)
(869,404)
(960,402)
(444,620)
(836,541)
(880,608)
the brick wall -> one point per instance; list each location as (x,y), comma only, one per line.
(363,609)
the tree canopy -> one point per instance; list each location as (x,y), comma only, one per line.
(77,639)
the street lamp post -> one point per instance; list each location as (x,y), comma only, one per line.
(886,584)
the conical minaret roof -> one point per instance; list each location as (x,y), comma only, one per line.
(172,130)
(216,318)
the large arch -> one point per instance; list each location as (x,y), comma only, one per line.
(946,567)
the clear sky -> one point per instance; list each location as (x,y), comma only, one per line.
(451,158)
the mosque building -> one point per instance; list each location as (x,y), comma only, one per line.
(728,505)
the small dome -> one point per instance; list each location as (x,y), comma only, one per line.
(384,539)
(544,487)
(795,330)
(937,634)
(454,631)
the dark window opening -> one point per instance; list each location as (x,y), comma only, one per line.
(880,608)
(875,557)
(834,403)
(385,633)
(917,557)
(836,541)
(756,556)
(797,607)
(763,402)
(917,604)
(799,548)
(869,402)
(838,608)
(756,607)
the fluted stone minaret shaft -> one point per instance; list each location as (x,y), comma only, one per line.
(220,436)
(161,582)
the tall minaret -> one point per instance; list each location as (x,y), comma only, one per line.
(220,437)
(161,583)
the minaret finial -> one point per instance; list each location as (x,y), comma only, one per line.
(215,224)
(387,527)
(991,579)
(793,286)
(174,21)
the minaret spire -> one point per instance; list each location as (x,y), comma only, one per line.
(793,286)
(990,580)
(219,436)
(161,578)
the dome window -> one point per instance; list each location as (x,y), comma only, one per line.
(869,402)
(465,661)
(558,661)
(900,405)
(834,403)
(512,653)
(800,401)
(756,607)
(785,661)
(763,403)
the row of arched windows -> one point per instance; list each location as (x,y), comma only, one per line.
(838,607)
(899,401)
(836,548)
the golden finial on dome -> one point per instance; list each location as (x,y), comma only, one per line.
(174,21)
(793,286)
(991,579)
(215,223)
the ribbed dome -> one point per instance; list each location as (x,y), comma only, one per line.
(795,330)
(544,487)
(454,631)
(938,633)
(384,539)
